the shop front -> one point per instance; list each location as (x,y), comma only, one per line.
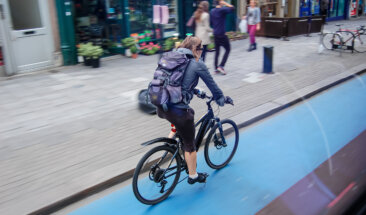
(309,7)
(338,10)
(356,8)
(106,22)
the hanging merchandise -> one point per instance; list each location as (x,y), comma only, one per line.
(353,8)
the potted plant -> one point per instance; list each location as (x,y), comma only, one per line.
(83,52)
(211,46)
(93,54)
(96,53)
(134,51)
(149,48)
(127,43)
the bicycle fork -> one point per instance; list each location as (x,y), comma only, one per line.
(222,142)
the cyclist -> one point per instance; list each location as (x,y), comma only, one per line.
(181,115)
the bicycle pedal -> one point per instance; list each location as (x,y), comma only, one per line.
(163,183)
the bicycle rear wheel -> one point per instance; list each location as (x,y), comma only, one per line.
(221,144)
(360,43)
(156,175)
(331,41)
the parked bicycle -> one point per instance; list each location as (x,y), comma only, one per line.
(346,39)
(158,172)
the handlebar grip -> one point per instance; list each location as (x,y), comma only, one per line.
(229,100)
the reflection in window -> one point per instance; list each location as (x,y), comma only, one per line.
(140,16)
(171,28)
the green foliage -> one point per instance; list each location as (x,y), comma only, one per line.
(134,49)
(90,51)
(128,42)
(211,46)
(83,48)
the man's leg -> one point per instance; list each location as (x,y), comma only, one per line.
(217,52)
(191,158)
(226,44)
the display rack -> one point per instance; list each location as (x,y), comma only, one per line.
(171,28)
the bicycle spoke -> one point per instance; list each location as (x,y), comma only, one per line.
(157,175)
(221,146)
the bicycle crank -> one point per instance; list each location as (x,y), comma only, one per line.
(163,183)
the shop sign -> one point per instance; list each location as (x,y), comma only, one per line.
(353,8)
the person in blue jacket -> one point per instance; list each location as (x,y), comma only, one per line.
(217,20)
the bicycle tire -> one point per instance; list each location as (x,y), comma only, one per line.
(360,43)
(140,170)
(331,39)
(232,127)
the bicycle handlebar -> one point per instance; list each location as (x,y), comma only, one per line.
(202,95)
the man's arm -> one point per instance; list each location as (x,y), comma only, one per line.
(227,4)
(228,7)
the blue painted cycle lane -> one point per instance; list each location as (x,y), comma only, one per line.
(272,156)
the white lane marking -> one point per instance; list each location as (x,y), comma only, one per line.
(139,79)
(130,95)
(266,196)
(244,199)
(253,77)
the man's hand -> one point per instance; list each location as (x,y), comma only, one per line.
(225,4)
(258,26)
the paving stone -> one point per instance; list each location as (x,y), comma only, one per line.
(61,133)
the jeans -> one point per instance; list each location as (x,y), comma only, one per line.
(221,40)
(203,55)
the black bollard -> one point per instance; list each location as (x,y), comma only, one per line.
(268,59)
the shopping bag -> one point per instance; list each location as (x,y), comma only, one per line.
(243,26)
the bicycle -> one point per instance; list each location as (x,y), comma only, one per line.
(162,165)
(346,39)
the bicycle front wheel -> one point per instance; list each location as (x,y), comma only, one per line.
(360,43)
(331,41)
(221,144)
(156,175)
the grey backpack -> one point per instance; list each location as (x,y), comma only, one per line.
(166,87)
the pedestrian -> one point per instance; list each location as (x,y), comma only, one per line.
(203,29)
(253,18)
(324,7)
(217,20)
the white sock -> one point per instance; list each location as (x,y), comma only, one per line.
(193,176)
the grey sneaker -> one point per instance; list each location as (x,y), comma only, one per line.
(222,70)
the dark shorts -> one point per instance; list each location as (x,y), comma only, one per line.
(183,119)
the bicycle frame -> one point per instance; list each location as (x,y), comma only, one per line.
(205,123)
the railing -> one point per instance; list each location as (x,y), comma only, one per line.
(287,27)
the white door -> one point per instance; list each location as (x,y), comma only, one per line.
(30,34)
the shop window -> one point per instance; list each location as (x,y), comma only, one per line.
(341,6)
(25,14)
(172,27)
(269,8)
(99,22)
(141,15)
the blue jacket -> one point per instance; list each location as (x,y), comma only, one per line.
(194,71)
(218,19)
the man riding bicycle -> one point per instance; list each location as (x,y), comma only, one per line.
(180,114)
